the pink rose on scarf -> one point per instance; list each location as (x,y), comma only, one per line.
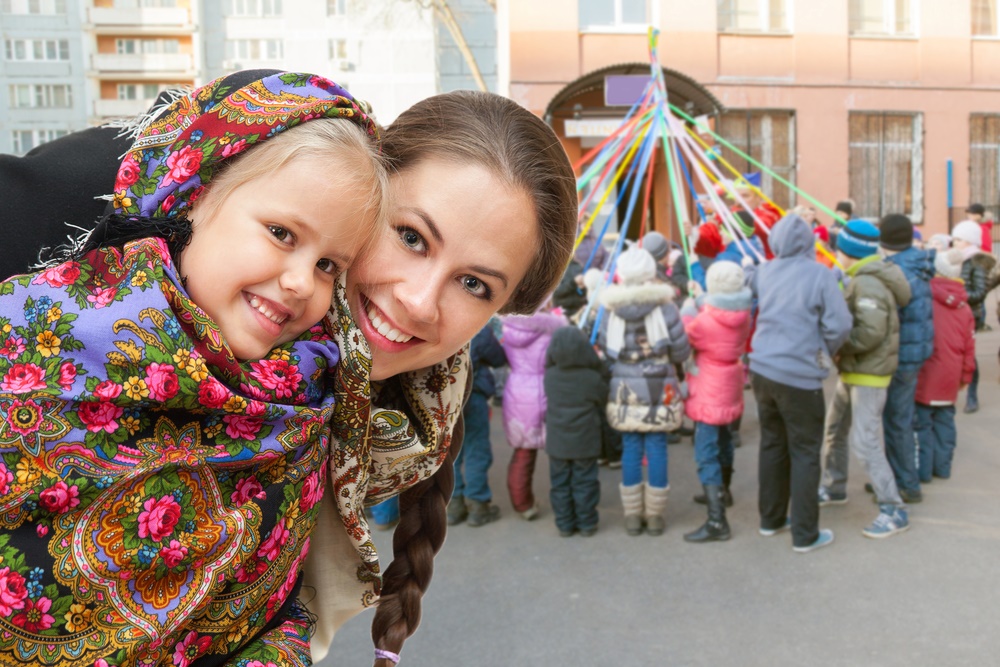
(190,648)
(246,488)
(272,545)
(12,592)
(128,174)
(162,381)
(67,375)
(58,276)
(160,517)
(278,375)
(168,203)
(182,164)
(100,416)
(312,491)
(59,498)
(107,390)
(243,427)
(212,393)
(234,148)
(258,663)
(6,477)
(35,616)
(22,378)
(102,296)
(173,554)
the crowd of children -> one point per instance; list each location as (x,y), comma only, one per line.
(641,341)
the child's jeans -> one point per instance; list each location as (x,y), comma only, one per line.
(476,456)
(651,445)
(936,440)
(575,493)
(713,451)
(855,417)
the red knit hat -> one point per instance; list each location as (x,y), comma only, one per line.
(709,241)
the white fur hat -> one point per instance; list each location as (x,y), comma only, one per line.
(968,231)
(636,266)
(592,278)
(949,263)
(724,277)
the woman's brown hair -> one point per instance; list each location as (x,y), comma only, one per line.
(467,127)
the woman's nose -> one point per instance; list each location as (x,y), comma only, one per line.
(421,297)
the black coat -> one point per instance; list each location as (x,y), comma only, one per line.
(568,295)
(485,352)
(576,390)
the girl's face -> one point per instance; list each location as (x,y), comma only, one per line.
(263,264)
(458,244)
(960,244)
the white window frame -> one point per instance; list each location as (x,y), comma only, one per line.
(763,20)
(33,7)
(140,46)
(619,26)
(36,139)
(336,7)
(239,50)
(254,8)
(889,21)
(40,96)
(37,50)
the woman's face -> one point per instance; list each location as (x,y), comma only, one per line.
(459,242)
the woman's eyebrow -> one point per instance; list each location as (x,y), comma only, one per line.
(429,221)
(491,272)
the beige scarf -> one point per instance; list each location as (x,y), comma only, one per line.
(377,452)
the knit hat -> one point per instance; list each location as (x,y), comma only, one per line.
(656,245)
(949,264)
(636,266)
(592,279)
(968,231)
(724,277)
(858,239)
(940,241)
(976,209)
(896,232)
(709,243)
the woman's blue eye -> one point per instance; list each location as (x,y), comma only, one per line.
(476,287)
(411,238)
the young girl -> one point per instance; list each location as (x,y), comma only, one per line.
(525,339)
(642,332)
(163,392)
(718,335)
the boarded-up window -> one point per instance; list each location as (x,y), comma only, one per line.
(886,164)
(753,15)
(984,17)
(769,138)
(984,159)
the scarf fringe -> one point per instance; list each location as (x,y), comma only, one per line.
(135,126)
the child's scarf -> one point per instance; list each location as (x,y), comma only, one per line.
(156,496)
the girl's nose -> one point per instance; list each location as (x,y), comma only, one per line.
(299,279)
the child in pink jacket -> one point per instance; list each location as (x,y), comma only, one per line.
(949,368)
(717,329)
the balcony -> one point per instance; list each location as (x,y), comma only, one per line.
(158,20)
(149,65)
(119,108)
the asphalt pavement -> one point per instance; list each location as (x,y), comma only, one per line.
(515,593)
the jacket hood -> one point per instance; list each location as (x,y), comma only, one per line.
(792,237)
(915,261)
(890,275)
(570,348)
(733,301)
(949,292)
(616,297)
(523,330)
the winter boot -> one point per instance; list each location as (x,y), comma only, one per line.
(716,528)
(727,497)
(656,503)
(632,502)
(458,511)
(481,513)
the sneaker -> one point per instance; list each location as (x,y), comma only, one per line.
(891,520)
(481,513)
(771,532)
(615,465)
(825,498)
(971,405)
(530,514)
(567,533)
(825,538)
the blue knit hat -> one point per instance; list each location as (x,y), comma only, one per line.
(858,239)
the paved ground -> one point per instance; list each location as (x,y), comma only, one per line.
(515,593)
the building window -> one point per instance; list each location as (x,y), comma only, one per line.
(882,18)
(769,138)
(604,14)
(253,8)
(41,96)
(140,91)
(336,7)
(42,7)
(24,140)
(984,18)
(338,49)
(146,46)
(37,49)
(753,15)
(984,158)
(254,49)
(886,164)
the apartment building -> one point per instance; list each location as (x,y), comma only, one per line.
(68,64)
(893,103)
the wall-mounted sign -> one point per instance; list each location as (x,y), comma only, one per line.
(592,127)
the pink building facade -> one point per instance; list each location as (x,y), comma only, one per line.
(864,99)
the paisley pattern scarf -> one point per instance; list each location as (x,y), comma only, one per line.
(156,495)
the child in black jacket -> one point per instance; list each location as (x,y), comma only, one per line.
(576,390)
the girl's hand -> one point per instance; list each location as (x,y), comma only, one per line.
(694,289)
